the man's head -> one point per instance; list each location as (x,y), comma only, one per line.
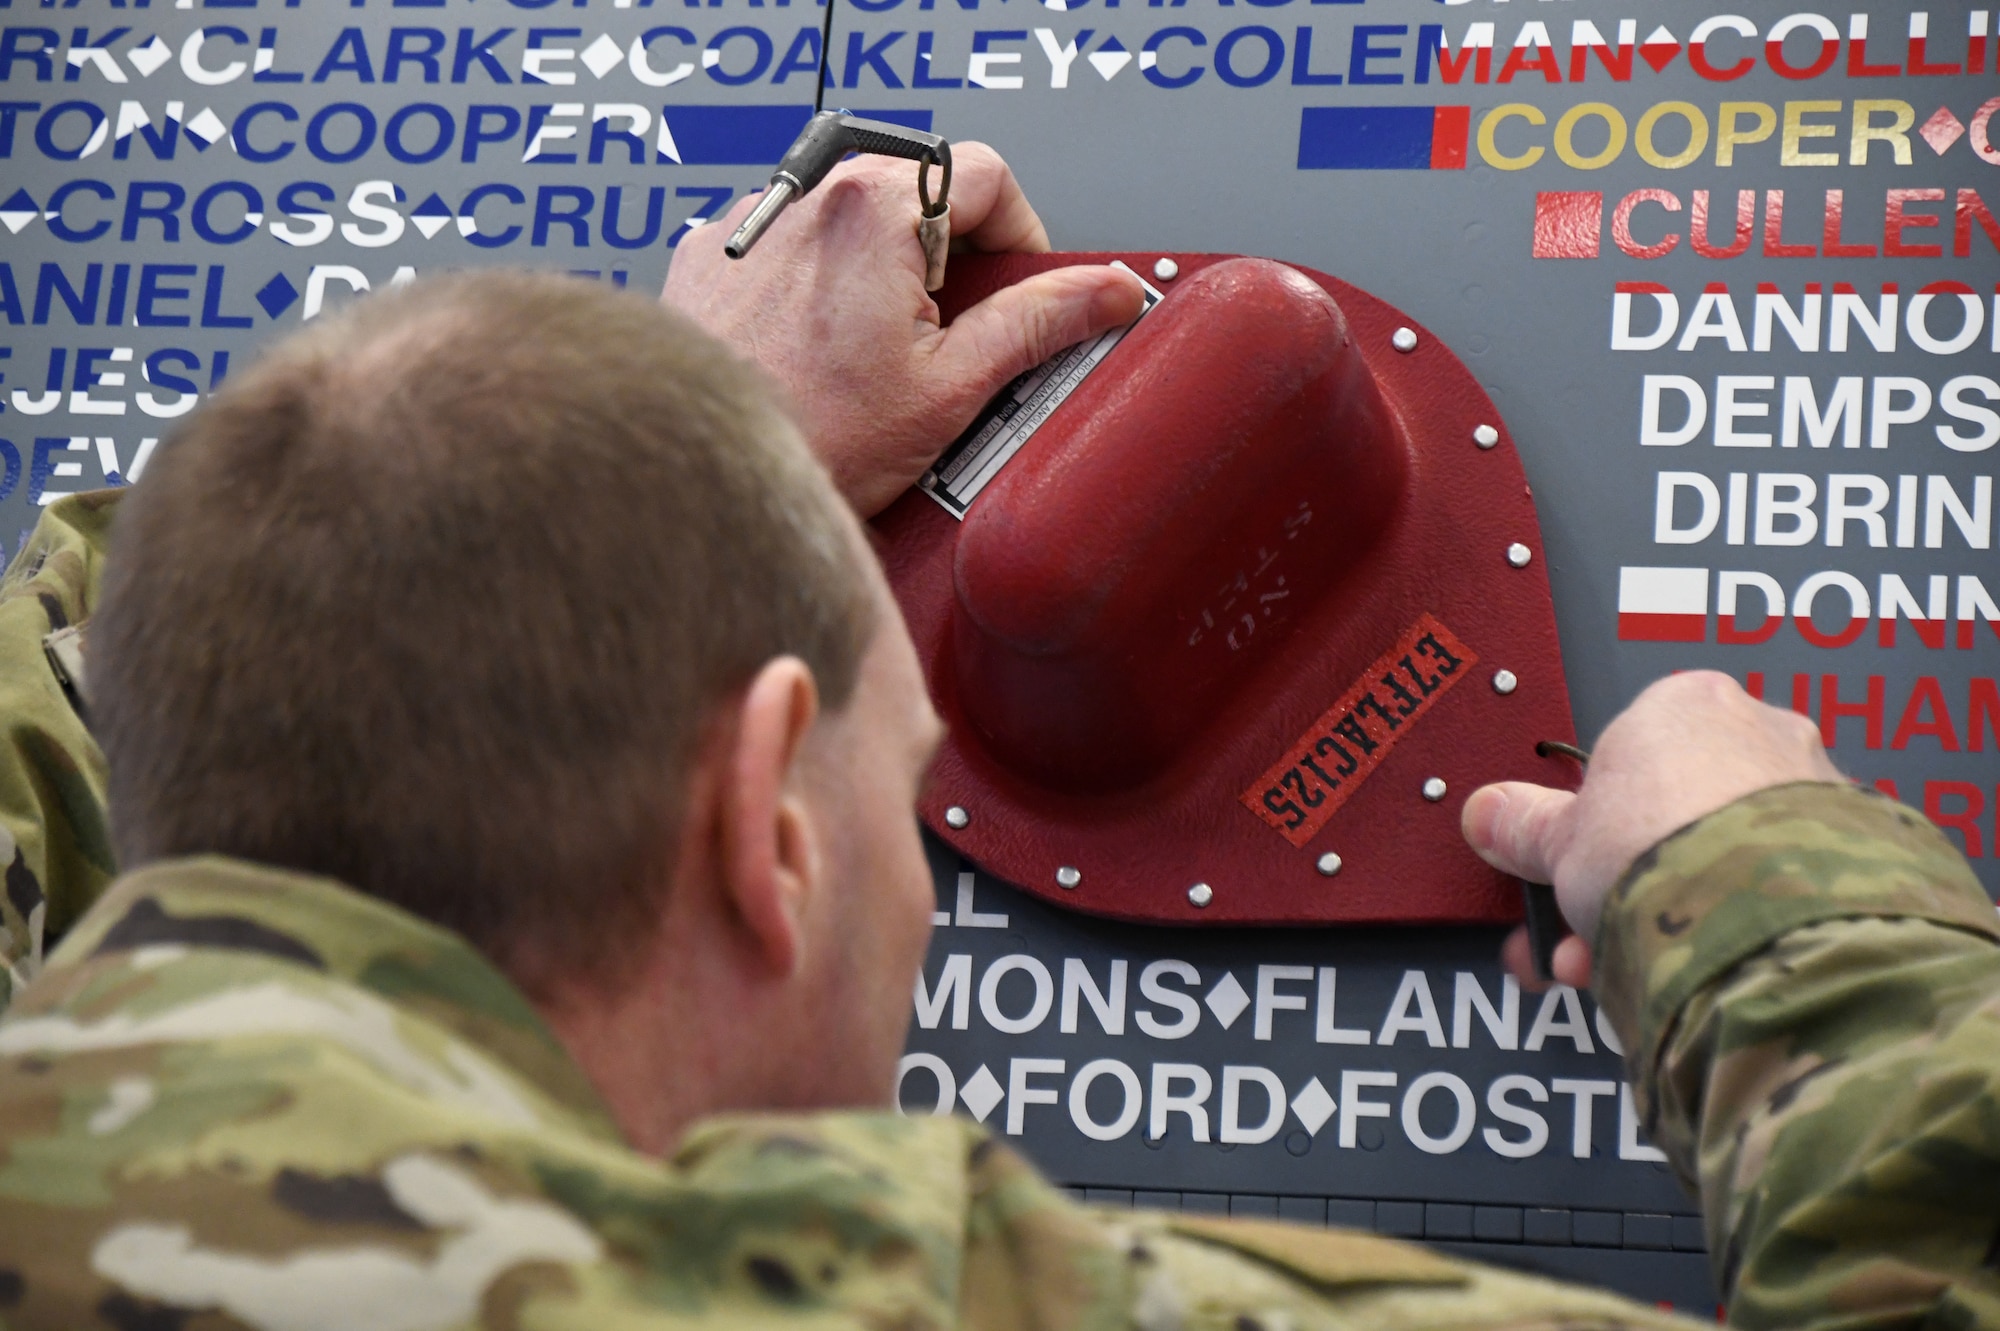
(519,603)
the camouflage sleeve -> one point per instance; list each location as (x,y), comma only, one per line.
(1806,984)
(1032,1258)
(55,848)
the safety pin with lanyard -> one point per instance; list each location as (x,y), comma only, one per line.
(830,136)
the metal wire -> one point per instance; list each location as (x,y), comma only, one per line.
(934,207)
(1548,746)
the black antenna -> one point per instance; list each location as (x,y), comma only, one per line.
(825,56)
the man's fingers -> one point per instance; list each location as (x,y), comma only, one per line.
(1023,325)
(1518,828)
(1572,963)
(988,209)
(1517,957)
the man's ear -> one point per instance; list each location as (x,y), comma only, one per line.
(771,856)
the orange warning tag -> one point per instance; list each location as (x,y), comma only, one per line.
(1345,746)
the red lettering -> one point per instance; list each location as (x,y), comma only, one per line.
(1774,56)
(1895,223)
(1451,71)
(1971,208)
(1926,697)
(1985,715)
(1774,230)
(1980,132)
(1617,61)
(1536,57)
(1621,223)
(1857,61)
(1918,63)
(1698,57)
(1832,711)
(1831,243)
(1746,225)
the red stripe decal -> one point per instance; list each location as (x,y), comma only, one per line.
(1451,126)
(1662,628)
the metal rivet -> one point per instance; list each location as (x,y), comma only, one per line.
(1504,681)
(1067,877)
(1166,270)
(1518,555)
(1485,436)
(1404,339)
(1329,864)
(956,817)
(1434,789)
(1200,895)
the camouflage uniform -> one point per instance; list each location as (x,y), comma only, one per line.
(274,1100)
(238,1096)
(1808,989)
(54,846)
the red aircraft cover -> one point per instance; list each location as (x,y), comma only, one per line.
(1234,634)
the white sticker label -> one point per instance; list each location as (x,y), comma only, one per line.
(998,432)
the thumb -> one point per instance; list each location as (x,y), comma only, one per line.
(1019,327)
(1519,828)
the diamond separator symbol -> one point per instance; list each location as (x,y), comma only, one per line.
(981,1093)
(1313,1106)
(206,128)
(277,295)
(1941,130)
(603,55)
(19,210)
(1227,1000)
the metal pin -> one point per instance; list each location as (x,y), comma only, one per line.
(1066,877)
(1404,339)
(1329,864)
(1518,555)
(1434,789)
(781,193)
(955,817)
(1200,895)
(1166,270)
(1485,436)
(1504,683)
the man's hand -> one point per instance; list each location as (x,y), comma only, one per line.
(831,303)
(1686,747)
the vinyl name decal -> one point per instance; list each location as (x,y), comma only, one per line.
(1343,748)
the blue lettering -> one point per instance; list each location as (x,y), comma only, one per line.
(1274,56)
(444,129)
(137,210)
(364,133)
(253,202)
(239,134)
(348,55)
(1149,57)
(1365,50)
(760,43)
(59,226)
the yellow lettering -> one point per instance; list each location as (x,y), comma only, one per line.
(1697,135)
(1727,135)
(1797,128)
(1896,135)
(1489,127)
(1614,125)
